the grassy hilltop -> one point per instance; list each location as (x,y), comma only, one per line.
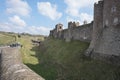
(59,60)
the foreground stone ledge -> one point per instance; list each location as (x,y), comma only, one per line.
(12,67)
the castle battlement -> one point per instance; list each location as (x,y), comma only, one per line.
(99,2)
(73,24)
(59,27)
(74,32)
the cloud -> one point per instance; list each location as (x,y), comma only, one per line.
(82,17)
(9,27)
(17,21)
(18,7)
(85,16)
(39,30)
(5,27)
(69,19)
(74,6)
(49,10)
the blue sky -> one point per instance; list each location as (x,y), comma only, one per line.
(40,16)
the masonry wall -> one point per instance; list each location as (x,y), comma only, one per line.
(105,42)
(97,27)
(83,33)
(105,38)
(12,67)
(111,32)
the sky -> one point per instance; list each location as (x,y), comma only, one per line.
(41,16)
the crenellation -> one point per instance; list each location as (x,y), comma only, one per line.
(59,27)
(74,32)
(77,24)
(100,2)
(73,24)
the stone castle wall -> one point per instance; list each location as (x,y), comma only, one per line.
(74,32)
(106,31)
(12,68)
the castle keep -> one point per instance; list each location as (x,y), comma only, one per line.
(103,33)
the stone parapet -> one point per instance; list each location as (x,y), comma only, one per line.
(12,67)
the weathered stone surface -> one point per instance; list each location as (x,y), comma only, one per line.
(106,31)
(12,67)
(74,32)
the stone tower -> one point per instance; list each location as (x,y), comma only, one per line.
(106,29)
(56,32)
(97,26)
(59,27)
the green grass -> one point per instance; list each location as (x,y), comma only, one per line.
(6,39)
(26,50)
(62,60)
(65,57)
(69,63)
(29,55)
(56,59)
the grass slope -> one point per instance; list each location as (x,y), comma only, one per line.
(59,60)
(6,39)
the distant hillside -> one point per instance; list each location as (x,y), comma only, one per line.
(6,38)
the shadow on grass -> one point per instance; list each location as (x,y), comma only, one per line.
(84,69)
(44,68)
(47,72)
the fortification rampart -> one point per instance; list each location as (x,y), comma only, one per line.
(105,30)
(12,67)
(74,32)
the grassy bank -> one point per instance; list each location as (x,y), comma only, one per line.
(59,60)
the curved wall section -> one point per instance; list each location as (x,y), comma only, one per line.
(12,67)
